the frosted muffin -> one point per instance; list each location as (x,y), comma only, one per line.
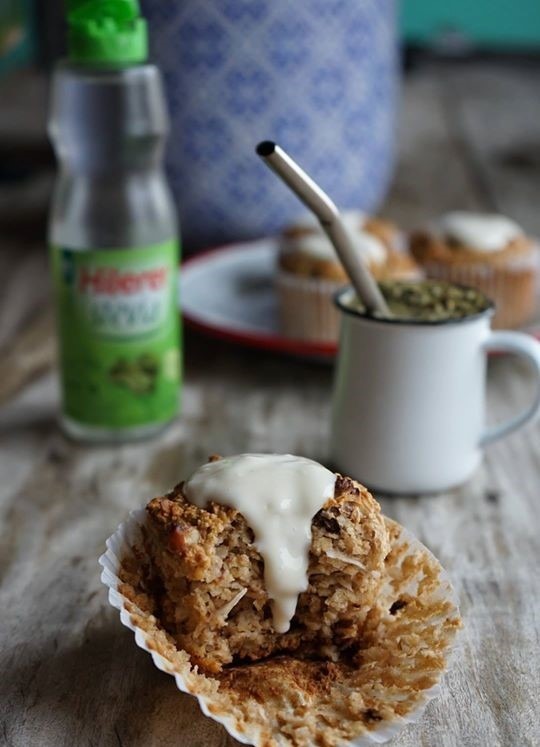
(310,273)
(487,251)
(208,569)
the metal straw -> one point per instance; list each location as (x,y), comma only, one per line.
(319,203)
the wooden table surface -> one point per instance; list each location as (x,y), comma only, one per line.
(71,674)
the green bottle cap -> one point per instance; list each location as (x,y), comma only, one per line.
(106,32)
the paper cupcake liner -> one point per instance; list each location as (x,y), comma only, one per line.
(306,308)
(512,286)
(410,640)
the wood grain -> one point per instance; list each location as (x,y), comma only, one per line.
(30,353)
(71,674)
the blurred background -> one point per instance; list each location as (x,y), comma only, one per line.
(456,84)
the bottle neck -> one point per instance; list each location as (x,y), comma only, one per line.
(108,120)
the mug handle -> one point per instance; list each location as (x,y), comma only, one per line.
(525,347)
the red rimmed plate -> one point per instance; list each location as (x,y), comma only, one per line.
(228,293)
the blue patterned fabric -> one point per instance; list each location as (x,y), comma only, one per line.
(317,76)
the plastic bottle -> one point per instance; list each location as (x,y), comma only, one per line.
(113,233)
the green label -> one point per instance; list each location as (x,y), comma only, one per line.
(119,334)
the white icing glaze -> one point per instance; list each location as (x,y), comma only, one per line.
(337,555)
(482,232)
(278,495)
(319,246)
(353,219)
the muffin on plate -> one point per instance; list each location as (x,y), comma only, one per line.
(309,271)
(207,573)
(487,251)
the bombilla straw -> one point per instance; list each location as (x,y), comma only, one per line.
(325,210)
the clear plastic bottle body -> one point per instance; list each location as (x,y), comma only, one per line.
(108,129)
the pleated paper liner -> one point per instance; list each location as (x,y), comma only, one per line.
(286,701)
(306,308)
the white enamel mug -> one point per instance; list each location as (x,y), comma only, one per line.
(408,409)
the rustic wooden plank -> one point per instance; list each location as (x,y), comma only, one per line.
(431,173)
(24,286)
(486,535)
(469,140)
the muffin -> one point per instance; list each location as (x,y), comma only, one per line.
(370,635)
(206,574)
(486,251)
(309,271)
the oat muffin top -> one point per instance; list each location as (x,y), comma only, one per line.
(461,237)
(306,250)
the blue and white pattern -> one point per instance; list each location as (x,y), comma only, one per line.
(319,77)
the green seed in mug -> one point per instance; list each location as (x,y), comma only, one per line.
(431,300)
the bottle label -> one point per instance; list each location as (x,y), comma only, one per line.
(119,334)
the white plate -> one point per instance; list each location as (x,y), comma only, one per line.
(229,293)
